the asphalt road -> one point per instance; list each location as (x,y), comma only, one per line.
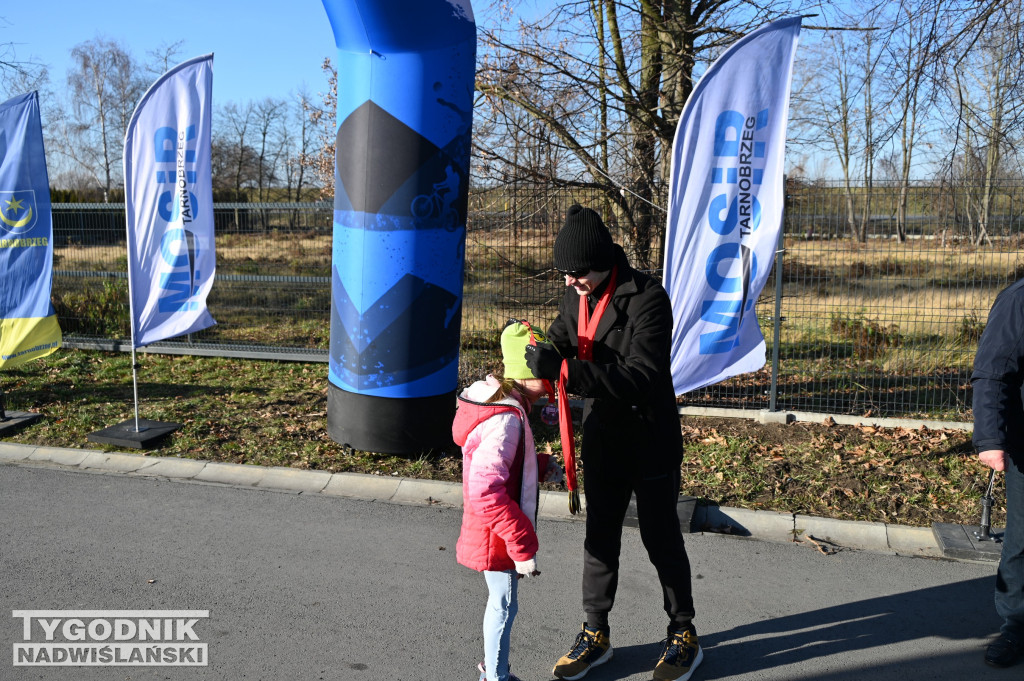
(303,586)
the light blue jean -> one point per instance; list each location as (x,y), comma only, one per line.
(502,606)
(1010,578)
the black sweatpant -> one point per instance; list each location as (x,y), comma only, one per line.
(608,486)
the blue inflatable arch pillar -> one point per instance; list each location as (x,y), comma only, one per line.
(405,94)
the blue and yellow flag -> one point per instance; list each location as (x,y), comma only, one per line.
(28,323)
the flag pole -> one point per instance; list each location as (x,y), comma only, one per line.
(119,434)
(131,315)
(135,387)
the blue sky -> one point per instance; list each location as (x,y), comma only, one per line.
(261,48)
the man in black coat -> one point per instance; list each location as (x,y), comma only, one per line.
(998,382)
(632,441)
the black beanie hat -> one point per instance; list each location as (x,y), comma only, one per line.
(584,243)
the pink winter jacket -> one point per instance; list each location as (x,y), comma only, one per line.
(499,480)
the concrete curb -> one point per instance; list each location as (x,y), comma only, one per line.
(761,525)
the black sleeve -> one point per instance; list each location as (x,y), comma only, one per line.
(631,379)
(997,376)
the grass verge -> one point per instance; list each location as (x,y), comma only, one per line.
(274,413)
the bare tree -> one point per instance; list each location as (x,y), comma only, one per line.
(268,115)
(877,101)
(297,144)
(162,58)
(322,118)
(847,62)
(233,149)
(607,81)
(868,67)
(833,103)
(21,81)
(989,93)
(105,87)
(18,76)
(909,84)
(285,143)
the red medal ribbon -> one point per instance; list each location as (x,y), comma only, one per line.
(586,328)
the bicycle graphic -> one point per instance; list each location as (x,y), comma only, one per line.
(437,207)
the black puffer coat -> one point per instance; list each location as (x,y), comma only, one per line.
(630,409)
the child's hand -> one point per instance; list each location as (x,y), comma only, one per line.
(527,568)
(553,473)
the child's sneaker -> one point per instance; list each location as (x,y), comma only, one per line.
(592,647)
(680,657)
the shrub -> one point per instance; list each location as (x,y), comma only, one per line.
(869,338)
(968,331)
(95,310)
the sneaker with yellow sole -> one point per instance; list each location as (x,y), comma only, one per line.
(680,657)
(592,647)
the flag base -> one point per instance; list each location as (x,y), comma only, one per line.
(685,506)
(14,421)
(962,541)
(390,425)
(125,435)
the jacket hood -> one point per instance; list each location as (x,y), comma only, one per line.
(474,408)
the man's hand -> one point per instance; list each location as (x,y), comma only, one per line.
(994,459)
(544,361)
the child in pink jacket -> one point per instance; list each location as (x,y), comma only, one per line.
(500,472)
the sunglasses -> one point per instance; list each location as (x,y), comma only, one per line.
(575,274)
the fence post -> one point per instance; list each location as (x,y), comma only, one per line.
(777,317)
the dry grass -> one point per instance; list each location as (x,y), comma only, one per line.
(921,288)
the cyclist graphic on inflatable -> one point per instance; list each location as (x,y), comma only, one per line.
(436,207)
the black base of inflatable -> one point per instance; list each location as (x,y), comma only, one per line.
(389,425)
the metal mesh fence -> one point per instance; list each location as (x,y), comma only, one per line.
(272,292)
(878,319)
(880,316)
